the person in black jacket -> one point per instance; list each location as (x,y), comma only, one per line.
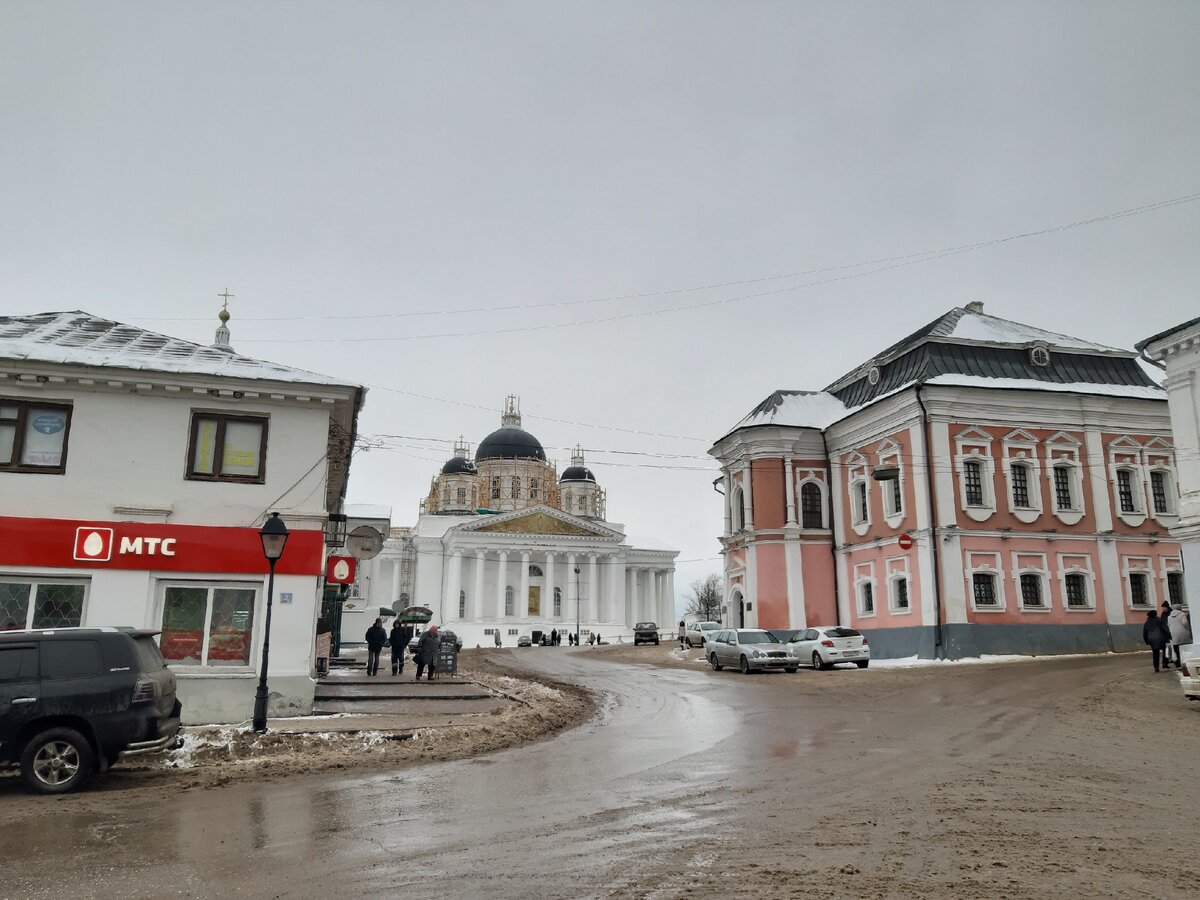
(1156,633)
(376,638)
(398,639)
(427,650)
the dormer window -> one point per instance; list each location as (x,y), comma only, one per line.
(1039,355)
(873,375)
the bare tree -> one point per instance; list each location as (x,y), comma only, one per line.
(704,598)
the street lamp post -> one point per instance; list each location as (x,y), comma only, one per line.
(578,604)
(274,536)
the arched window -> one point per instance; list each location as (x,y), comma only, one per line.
(737,506)
(558,601)
(582,503)
(811,512)
(516,487)
(535,571)
(533,488)
(508,600)
(462,604)
(446,494)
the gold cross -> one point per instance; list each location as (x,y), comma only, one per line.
(226,297)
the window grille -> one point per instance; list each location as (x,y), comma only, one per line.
(1062,487)
(495,487)
(974,483)
(897,498)
(984,586)
(1158,488)
(1125,491)
(533,488)
(1175,588)
(868,597)
(1076,591)
(462,604)
(861,489)
(1020,486)
(1138,595)
(462,496)
(901,593)
(1031,590)
(810,506)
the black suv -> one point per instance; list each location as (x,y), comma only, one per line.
(72,700)
(645,631)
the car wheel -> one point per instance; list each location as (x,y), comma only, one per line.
(744,666)
(57,761)
(712,661)
(863,664)
(656,642)
(789,669)
(817,663)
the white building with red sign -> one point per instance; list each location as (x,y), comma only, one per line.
(135,472)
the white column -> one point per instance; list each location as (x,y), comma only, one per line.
(790,483)
(395,581)
(501,580)
(548,590)
(593,598)
(619,612)
(475,601)
(728,504)
(572,589)
(653,606)
(669,599)
(748,493)
(635,602)
(522,609)
(453,586)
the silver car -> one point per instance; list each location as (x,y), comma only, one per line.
(826,646)
(749,649)
(698,634)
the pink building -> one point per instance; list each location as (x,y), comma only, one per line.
(981,486)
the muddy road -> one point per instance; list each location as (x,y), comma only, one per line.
(1044,778)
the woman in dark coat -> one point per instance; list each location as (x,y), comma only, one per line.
(1156,633)
(427,648)
(398,639)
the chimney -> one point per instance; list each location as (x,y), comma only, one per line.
(975,306)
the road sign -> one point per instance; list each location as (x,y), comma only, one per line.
(905,542)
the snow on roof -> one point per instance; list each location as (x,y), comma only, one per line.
(796,409)
(978,326)
(640,542)
(1135,391)
(82,339)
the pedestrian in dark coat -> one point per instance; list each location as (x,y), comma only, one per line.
(427,649)
(398,639)
(1157,635)
(554,637)
(1164,616)
(376,638)
(497,634)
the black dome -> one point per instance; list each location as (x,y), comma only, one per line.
(459,465)
(577,473)
(510,443)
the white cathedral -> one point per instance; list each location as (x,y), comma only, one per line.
(504,542)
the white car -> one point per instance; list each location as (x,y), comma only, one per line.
(1189,678)
(828,645)
(749,649)
(698,634)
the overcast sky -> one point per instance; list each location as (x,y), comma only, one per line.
(402,161)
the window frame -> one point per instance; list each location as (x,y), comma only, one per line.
(179,667)
(1176,598)
(510,597)
(23,406)
(1082,579)
(864,587)
(36,580)
(820,505)
(1039,581)
(1021,484)
(223,418)
(462,604)
(985,563)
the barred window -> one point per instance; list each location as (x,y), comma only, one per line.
(811,514)
(897,498)
(1175,588)
(495,487)
(984,587)
(1138,594)
(860,495)
(1158,488)
(901,593)
(533,488)
(558,601)
(1125,491)
(1020,486)
(1076,591)
(1062,487)
(1031,590)
(973,477)
(867,592)
(516,487)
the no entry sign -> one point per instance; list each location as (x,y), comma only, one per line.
(905,542)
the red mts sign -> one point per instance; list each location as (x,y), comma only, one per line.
(71,544)
(340,569)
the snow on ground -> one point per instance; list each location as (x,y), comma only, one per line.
(912,662)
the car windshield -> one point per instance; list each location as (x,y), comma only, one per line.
(754,637)
(783,635)
(841,632)
(708,626)
(644,626)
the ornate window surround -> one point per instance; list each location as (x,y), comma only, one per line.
(975,445)
(1139,565)
(1061,449)
(1125,455)
(1031,564)
(1020,448)
(897,570)
(1159,456)
(864,574)
(816,477)
(858,472)
(889,454)
(985,562)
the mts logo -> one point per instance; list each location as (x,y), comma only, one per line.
(147,546)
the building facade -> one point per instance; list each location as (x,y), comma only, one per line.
(504,543)
(135,472)
(981,486)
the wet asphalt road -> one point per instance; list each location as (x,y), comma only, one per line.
(682,778)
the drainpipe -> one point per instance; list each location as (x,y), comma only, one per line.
(832,506)
(933,527)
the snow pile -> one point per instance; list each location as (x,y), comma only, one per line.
(913,662)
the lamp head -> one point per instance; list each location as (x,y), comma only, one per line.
(274,535)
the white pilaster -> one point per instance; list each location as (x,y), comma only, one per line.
(548,590)
(748,494)
(501,583)
(453,586)
(523,600)
(572,589)
(593,600)
(619,610)
(475,601)
(728,484)
(789,477)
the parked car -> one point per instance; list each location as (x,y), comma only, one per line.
(1189,678)
(74,700)
(698,634)
(829,645)
(525,640)
(785,635)
(645,633)
(749,649)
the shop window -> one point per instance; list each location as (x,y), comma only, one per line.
(1077,592)
(33,436)
(1139,595)
(983,586)
(33,603)
(1020,486)
(1031,591)
(508,600)
(1175,588)
(207,625)
(812,513)
(227,448)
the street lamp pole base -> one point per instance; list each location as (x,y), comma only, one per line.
(260,710)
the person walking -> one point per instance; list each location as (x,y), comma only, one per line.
(427,649)
(1156,633)
(497,633)
(398,639)
(1163,615)
(682,633)
(553,637)
(376,638)
(1179,623)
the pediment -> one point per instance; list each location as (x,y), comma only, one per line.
(539,520)
(973,435)
(1125,442)
(1020,436)
(1061,437)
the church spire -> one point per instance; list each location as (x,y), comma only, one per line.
(222,338)
(511,418)
(577,456)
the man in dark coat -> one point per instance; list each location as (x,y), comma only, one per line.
(427,649)
(376,638)
(398,639)
(1157,635)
